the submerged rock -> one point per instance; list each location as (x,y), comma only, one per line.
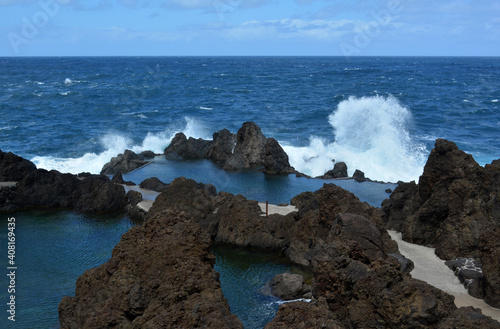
(160,275)
(288,286)
(123,163)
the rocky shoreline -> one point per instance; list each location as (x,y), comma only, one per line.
(161,273)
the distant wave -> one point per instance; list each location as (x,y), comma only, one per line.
(371,134)
(115,143)
(8,128)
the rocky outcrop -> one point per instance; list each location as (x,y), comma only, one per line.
(13,167)
(248,148)
(118,179)
(123,163)
(339,171)
(182,148)
(275,159)
(453,208)
(250,143)
(222,146)
(153,184)
(288,286)
(39,188)
(490,264)
(340,239)
(160,275)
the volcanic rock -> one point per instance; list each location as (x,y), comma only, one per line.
(160,275)
(275,159)
(222,146)
(98,194)
(153,184)
(123,163)
(339,171)
(250,143)
(182,148)
(454,204)
(359,176)
(288,286)
(13,167)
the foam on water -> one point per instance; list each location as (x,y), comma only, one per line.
(115,144)
(371,134)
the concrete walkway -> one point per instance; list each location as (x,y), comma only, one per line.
(433,270)
(274,209)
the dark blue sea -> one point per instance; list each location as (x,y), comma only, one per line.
(378,114)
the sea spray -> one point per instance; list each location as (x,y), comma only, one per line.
(371,134)
(115,143)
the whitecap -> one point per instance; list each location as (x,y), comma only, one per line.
(115,144)
(206,108)
(68,81)
(8,128)
(66,93)
(495,101)
(39,83)
(142,116)
(370,135)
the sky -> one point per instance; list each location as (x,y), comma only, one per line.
(250,28)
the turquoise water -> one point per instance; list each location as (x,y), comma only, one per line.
(244,274)
(52,250)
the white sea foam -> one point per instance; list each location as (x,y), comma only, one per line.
(114,144)
(206,108)
(371,134)
(495,101)
(68,81)
(8,128)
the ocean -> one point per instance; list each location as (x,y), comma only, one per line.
(380,115)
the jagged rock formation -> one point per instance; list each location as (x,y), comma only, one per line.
(288,286)
(13,167)
(160,275)
(39,188)
(153,184)
(454,208)
(339,171)
(123,163)
(339,238)
(248,148)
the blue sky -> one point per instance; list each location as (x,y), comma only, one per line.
(249,27)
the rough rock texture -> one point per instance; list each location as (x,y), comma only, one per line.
(455,202)
(118,179)
(339,238)
(250,143)
(13,167)
(248,148)
(288,286)
(490,259)
(153,184)
(222,146)
(182,148)
(339,171)
(359,176)
(275,159)
(123,163)
(39,188)
(98,194)
(160,275)
(305,315)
